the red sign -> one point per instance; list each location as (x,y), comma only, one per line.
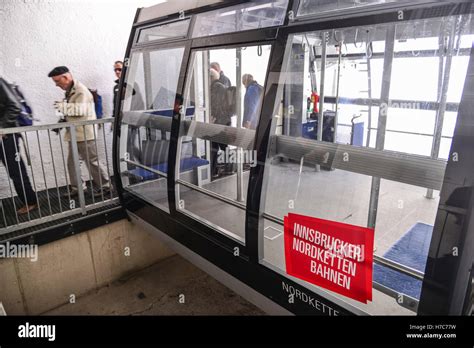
(333,255)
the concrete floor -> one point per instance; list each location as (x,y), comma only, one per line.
(158,290)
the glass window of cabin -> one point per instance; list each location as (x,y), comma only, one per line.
(168,31)
(251,15)
(401,105)
(224,94)
(147,109)
(322,7)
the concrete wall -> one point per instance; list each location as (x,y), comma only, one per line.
(76,266)
(86,35)
(2,36)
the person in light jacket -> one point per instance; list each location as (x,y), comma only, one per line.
(79,106)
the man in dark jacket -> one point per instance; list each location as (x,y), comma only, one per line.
(137,99)
(118,67)
(219,115)
(222,78)
(10,108)
(137,104)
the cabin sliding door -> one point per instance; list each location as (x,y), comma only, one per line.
(223,97)
(148,107)
(364,123)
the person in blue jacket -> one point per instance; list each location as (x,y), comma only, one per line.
(252,100)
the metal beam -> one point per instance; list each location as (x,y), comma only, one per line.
(395,166)
(62,125)
(151,170)
(443,94)
(403,54)
(212,194)
(239,137)
(338,86)
(240,185)
(382,125)
(148,82)
(324,43)
(147,120)
(394,103)
(369,89)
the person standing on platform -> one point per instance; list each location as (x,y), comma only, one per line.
(222,78)
(10,109)
(252,100)
(79,106)
(219,115)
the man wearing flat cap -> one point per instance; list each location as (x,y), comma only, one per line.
(79,106)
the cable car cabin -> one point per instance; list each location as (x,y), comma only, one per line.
(315,156)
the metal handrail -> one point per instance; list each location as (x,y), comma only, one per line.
(211,194)
(147,168)
(48,176)
(400,167)
(54,126)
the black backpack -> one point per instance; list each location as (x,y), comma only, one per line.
(230,101)
(25,118)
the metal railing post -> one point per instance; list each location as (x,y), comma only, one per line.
(86,143)
(33,175)
(3,213)
(54,171)
(9,182)
(99,168)
(107,161)
(19,160)
(77,168)
(44,173)
(65,172)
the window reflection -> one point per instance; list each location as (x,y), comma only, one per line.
(251,15)
(317,7)
(148,106)
(163,32)
(224,95)
(370,104)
